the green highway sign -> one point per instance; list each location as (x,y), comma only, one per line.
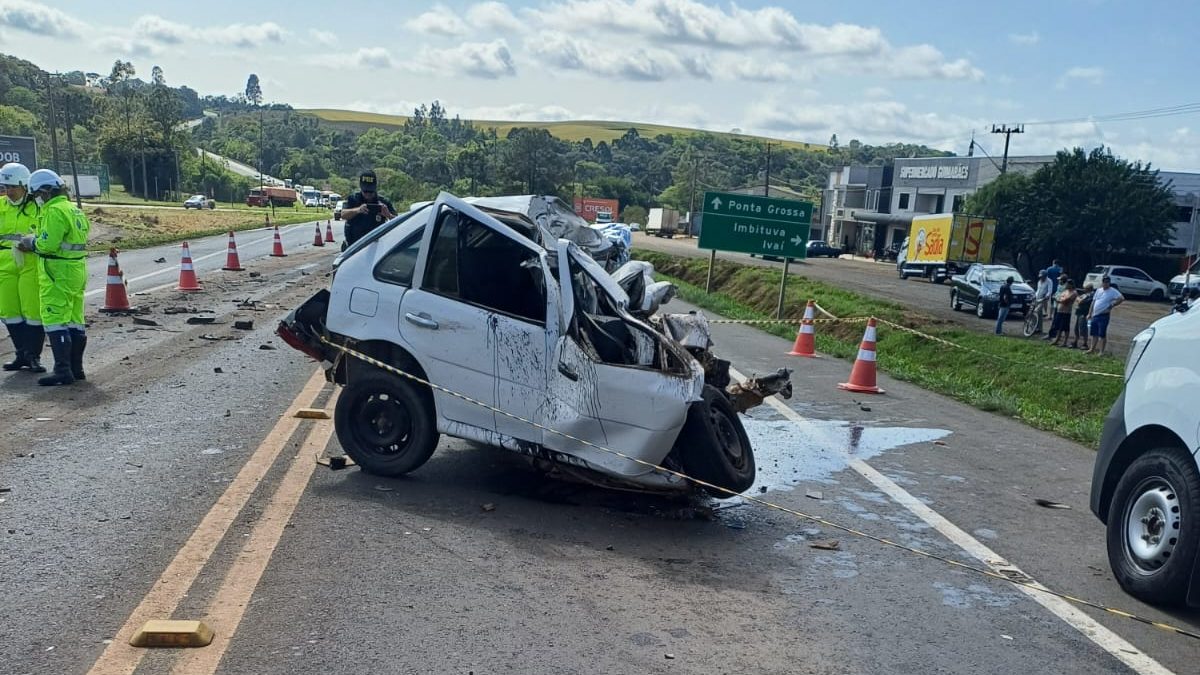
(762,225)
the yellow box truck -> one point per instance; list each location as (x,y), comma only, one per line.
(940,245)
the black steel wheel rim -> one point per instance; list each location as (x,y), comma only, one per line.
(383,423)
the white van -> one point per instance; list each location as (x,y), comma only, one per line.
(1146,482)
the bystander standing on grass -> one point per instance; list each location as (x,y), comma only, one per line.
(1083,307)
(1103,303)
(1061,329)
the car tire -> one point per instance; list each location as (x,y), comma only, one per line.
(955,305)
(1157,295)
(385,423)
(713,445)
(981,309)
(1157,496)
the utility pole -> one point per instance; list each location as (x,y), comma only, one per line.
(260,148)
(692,201)
(53,125)
(767,177)
(71,152)
(1008,131)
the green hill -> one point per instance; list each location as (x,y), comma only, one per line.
(575,130)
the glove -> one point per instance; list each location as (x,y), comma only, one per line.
(26,244)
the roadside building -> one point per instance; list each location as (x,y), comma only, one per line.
(870,207)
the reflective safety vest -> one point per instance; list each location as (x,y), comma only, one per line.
(62,231)
(16,222)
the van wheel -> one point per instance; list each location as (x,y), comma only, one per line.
(1154,526)
(713,445)
(385,424)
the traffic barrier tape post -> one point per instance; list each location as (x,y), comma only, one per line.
(768,504)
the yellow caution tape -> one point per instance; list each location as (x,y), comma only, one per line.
(764,503)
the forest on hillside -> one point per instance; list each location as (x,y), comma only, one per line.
(138,129)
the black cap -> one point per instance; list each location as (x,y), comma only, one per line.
(1106,278)
(367,181)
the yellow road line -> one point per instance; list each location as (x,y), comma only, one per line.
(162,599)
(229,605)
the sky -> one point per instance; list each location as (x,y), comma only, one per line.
(920,71)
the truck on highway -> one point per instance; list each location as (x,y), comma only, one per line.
(662,222)
(267,195)
(940,245)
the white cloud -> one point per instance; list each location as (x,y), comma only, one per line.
(1091,75)
(922,62)
(153,27)
(880,122)
(441,20)
(126,46)
(323,37)
(493,16)
(370,58)
(877,92)
(692,22)
(486,60)
(751,69)
(1031,38)
(246,36)
(38,19)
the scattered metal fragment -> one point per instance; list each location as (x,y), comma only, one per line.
(827,545)
(1046,503)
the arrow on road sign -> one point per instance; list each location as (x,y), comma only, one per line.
(797,240)
(716,202)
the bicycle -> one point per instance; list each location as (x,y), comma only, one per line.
(1034,318)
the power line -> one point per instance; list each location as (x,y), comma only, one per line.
(1168,111)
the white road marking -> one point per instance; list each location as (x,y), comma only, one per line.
(1091,629)
(174,268)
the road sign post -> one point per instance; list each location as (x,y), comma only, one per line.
(758,225)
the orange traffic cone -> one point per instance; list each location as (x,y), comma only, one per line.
(317,240)
(187,273)
(277,250)
(116,297)
(232,264)
(806,338)
(329,232)
(862,376)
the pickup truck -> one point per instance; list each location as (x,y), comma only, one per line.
(199,202)
(478,323)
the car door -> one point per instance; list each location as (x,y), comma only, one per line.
(613,394)
(970,289)
(1127,281)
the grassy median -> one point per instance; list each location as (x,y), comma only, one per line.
(143,228)
(1013,376)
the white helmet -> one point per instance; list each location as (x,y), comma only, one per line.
(14,175)
(45,179)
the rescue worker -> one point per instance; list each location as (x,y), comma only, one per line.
(19,306)
(61,247)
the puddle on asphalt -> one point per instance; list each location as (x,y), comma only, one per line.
(788,452)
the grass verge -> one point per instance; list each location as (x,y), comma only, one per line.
(142,228)
(1018,381)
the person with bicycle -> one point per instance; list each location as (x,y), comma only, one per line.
(1041,300)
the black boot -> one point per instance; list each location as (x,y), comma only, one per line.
(35,338)
(17,332)
(78,344)
(60,344)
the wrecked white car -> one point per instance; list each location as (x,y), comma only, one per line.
(469,299)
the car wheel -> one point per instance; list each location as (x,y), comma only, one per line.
(1154,526)
(1157,295)
(981,309)
(954,302)
(385,424)
(714,447)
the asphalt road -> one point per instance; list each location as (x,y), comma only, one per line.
(879,280)
(176,483)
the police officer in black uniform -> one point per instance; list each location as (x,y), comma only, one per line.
(365,210)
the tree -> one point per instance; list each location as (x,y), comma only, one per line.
(634,214)
(1082,207)
(254,94)
(833,142)
(157,78)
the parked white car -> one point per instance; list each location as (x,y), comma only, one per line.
(312,202)
(1182,283)
(1146,482)
(1131,281)
(490,305)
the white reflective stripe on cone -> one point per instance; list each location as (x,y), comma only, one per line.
(115,279)
(870,336)
(866,355)
(807,329)
(186,266)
